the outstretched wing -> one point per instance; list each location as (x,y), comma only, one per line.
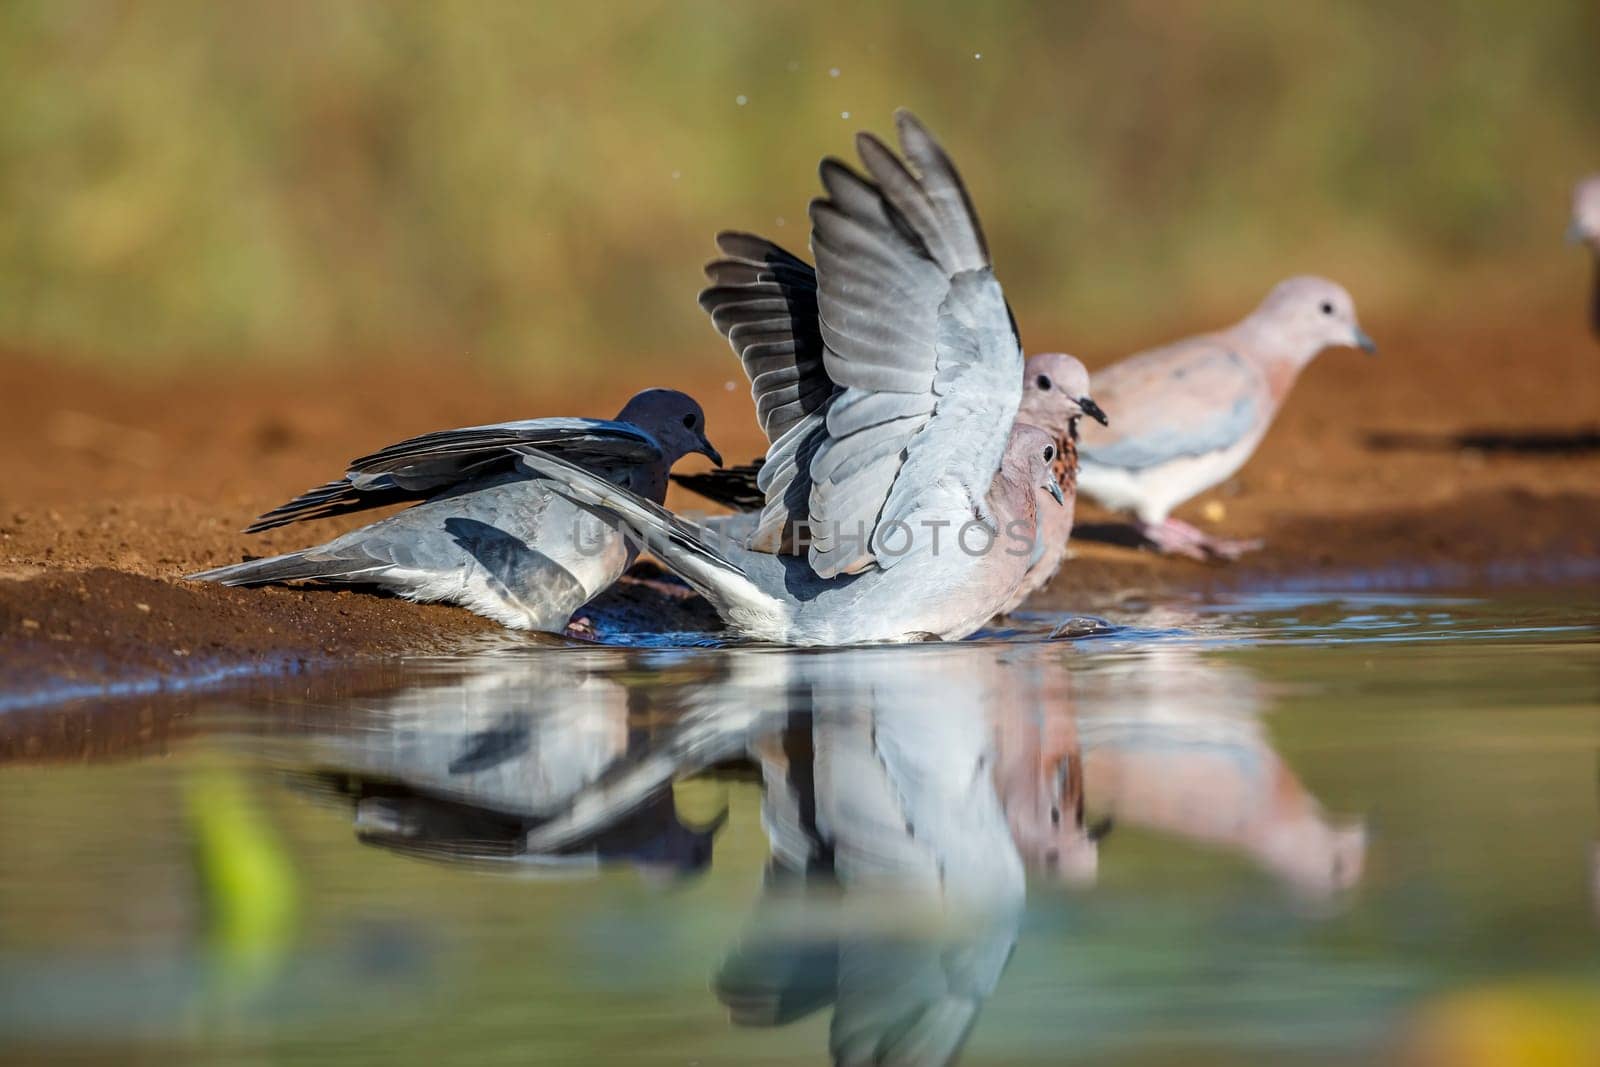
(420,467)
(763,299)
(1187,399)
(916,335)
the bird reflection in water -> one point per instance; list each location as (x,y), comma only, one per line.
(1176,743)
(908,795)
(464,770)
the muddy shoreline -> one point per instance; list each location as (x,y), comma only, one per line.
(1398,473)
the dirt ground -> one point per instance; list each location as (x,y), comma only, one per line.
(1461,456)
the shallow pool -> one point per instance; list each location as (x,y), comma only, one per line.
(1326,829)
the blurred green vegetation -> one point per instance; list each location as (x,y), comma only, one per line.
(540,182)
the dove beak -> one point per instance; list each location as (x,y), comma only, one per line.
(1054,488)
(1091,409)
(1364,341)
(707,451)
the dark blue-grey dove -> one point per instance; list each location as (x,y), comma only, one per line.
(490,534)
(1190,414)
(900,492)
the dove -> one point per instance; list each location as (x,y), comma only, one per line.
(1584,229)
(901,494)
(1190,414)
(1055,396)
(490,534)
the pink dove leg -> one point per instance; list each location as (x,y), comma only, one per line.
(581,628)
(1174,537)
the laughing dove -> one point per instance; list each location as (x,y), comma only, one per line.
(1055,397)
(900,493)
(1190,414)
(490,535)
(1585,230)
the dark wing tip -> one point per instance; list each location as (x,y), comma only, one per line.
(867,141)
(741,244)
(905,122)
(735,242)
(876,154)
(833,165)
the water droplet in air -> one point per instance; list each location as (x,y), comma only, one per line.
(844,114)
(780,220)
(677,174)
(741,100)
(728,385)
(833,72)
(977,55)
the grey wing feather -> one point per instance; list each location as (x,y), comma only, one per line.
(764,301)
(420,467)
(908,306)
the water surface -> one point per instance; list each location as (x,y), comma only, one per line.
(1346,829)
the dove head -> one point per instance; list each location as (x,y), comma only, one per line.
(1585,226)
(1027,464)
(1055,394)
(1304,315)
(674,419)
(1044,810)
(1317,859)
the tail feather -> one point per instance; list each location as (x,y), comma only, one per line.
(681,545)
(294,566)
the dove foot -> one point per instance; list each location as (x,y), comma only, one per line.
(581,628)
(1173,537)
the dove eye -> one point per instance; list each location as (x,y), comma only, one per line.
(1327,307)
(1049,453)
(690,420)
(1043,382)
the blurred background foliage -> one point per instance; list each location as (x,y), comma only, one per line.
(539,183)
